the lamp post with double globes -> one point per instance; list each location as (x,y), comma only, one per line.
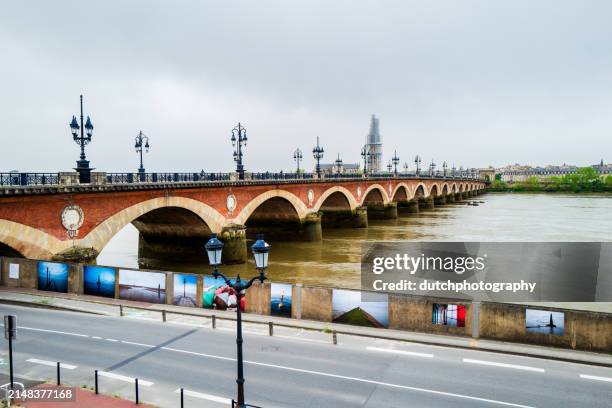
(317,153)
(239,139)
(82,136)
(260,250)
(141,142)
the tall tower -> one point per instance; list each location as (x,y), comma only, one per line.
(374,146)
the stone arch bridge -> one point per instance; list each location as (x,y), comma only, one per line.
(175,219)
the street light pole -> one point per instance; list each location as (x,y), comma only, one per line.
(417,161)
(141,141)
(82,137)
(260,250)
(444,167)
(432,167)
(366,155)
(317,153)
(338,164)
(239,139)
(297,156)
(395,159)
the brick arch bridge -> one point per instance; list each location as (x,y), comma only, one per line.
(177,218)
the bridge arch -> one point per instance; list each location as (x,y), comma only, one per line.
(102,234)
(375,192)
(445,189)
(333,196)
(434,190)
(29,242)
(297,204)
(401,192)
(420,191)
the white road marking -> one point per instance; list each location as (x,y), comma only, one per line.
(113,340)
(51,363)
(125,378)
(596,378)
(137,344)
(53,331)
(208,397)
(194,353)
(504,365)
(96,337)
(402,352)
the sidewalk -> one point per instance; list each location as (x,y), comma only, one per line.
(111,307)
(83,399)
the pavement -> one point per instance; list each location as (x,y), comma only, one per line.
(293,368)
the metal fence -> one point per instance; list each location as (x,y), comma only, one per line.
(123,178)
(28,179)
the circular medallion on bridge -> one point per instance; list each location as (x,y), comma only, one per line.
(310,197)
(72,217)
(231,202)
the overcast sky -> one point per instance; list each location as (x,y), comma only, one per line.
(475,83)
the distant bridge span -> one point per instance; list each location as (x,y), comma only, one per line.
(177,218)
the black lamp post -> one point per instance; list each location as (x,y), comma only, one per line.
(417,161)
(366,155)
(141,142)
(82,138)
(317,153)
(338,164)
(395,160)
(405,167)
(260,249)
(389,167)
(432,167)
(444,167)
(297,156)
(239,139)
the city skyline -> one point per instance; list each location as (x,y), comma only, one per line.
(442,89)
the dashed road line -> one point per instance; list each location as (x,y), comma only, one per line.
(53,331)
(402,352)
(503,365)
(120,377)
(51,363)
(595,377)
(208,397)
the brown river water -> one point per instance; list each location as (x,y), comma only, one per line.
(335,261)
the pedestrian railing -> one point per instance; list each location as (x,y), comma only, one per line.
(29,179)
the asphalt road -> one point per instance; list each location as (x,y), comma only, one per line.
(294,369)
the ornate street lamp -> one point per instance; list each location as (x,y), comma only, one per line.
(82,138)
(405,167)
(239,139)
(389,167)
(261,250)
(417,162)
(141,142)
(317,153)
(395,160)
(367,157)
(432,167)
(338,164)
(444,167)
(297,156)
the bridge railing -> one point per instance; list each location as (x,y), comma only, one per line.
(129,178)
(280,176)
(29,179)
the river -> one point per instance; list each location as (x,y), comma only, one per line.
(335,261)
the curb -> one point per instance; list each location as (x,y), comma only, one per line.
(49,306)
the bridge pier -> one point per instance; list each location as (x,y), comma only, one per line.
(305,229)
(234,244)
(426,203)
(77,254)
(458,197)
(450,198)
(440,200)
(408,207)
(380,211)
(333,218)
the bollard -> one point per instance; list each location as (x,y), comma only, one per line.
(136,385)
(58,374)
(164,316)
(271,328)
(96,380)
(214,321)
(182,401)
(121,310)
(334,337)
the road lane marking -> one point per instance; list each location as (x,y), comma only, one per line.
(208,397)
(51,363)
(596,378)
(96,337)
(113,340)
(53,331)
(194,353)
(402,352)
(137,344)
(120,377)
(504,365)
